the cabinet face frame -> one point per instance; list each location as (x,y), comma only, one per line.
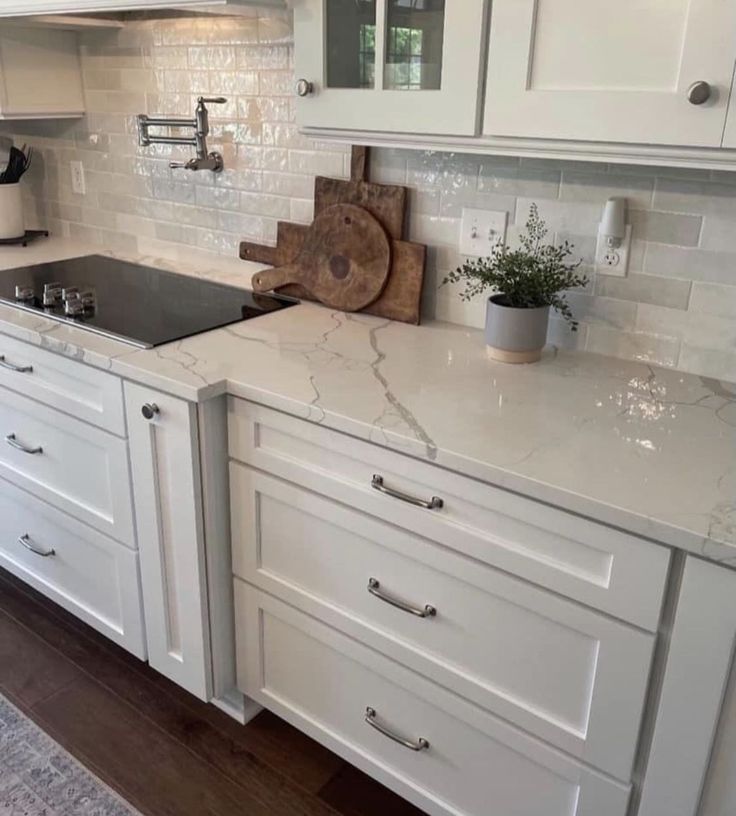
(453,109)
(646,116)
(697,672)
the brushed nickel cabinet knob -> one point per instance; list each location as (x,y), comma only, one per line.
(304,87)
(150,410)
(699,92)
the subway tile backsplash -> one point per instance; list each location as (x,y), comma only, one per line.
(677,306)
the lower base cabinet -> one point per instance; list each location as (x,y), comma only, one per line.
(88,574)
(437,750)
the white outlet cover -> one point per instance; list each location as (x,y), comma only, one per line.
(621,267)
(480,230)
(79,185)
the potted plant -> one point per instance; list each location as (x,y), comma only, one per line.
(527,281)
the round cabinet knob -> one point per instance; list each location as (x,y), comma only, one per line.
(149,410)
(24,294)
(699,92)
(304,87)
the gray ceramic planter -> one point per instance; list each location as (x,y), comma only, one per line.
(515,335)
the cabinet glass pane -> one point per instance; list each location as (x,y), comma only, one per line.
(351,43)
(414,37)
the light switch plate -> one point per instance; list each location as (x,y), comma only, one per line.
(614,262)
(480,230)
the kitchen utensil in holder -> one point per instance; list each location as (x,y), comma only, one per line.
(12,224)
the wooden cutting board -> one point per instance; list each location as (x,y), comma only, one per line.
(400,300)
(386,202)
(343,262)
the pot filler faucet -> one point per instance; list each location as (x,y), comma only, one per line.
(200,124)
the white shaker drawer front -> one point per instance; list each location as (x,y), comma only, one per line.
(459,761)
(568,674)
(91,576)
(77,468)
(592,563)
(76,389)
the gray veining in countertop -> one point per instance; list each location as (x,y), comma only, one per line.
(647,449)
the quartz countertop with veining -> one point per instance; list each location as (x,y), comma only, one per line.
(647,449)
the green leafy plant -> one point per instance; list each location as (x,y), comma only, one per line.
(536,274)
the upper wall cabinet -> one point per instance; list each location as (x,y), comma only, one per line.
(16,8)
(407,66)
(629,71)
(40,77)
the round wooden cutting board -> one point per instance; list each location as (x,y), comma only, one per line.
(344,261)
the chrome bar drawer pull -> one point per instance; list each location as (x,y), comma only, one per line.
(370,717)
(13,442)
(374,587)
(435,503)
(21,369)
(25,540)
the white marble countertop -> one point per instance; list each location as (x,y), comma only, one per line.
(650,450)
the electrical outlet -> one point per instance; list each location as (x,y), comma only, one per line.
(613,260)
(79,185)
(480,230)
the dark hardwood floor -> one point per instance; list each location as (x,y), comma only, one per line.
(163,750)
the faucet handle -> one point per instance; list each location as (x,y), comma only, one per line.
(174,165)
(213,100)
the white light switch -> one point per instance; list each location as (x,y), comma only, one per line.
(480,230)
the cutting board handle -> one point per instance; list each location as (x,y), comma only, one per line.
(270,279)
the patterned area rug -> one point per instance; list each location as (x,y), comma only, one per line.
(39,778)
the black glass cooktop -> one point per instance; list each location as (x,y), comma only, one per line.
(138,304)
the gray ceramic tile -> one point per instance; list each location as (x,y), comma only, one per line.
(666,228)
(659,291)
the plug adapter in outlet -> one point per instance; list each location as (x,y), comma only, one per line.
(613,261)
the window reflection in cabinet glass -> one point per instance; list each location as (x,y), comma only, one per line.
(351,43)
(414,39)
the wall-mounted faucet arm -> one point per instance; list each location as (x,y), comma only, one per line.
(200,124)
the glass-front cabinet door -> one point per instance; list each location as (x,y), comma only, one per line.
(410,66)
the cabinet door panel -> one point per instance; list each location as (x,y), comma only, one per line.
(390,66)
(164,454)
(614,72)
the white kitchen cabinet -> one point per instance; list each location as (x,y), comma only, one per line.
(729,134)
(389,65)
(90,575)
(611,72)
(40,75)
(435,749)
(692,766)
(165,464)
(40,445)
(565,673)
(596,565)
(14,8)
